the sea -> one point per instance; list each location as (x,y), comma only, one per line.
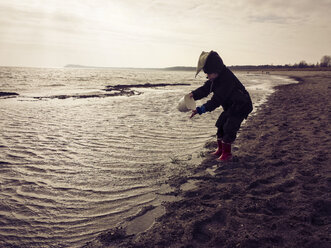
(77,160)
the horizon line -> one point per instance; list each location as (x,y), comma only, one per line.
(78,66)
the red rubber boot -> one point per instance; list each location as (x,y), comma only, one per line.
(218,152)
(226,153)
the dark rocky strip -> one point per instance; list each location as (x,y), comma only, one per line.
(147,85)
(93,95)
(8,94)
(116,90)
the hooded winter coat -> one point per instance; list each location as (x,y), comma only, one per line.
(228,93)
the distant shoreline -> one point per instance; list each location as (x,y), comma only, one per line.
(191,68)
(246,68)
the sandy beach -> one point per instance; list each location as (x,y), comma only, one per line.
(275,192)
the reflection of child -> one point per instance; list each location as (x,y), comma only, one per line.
(229,93)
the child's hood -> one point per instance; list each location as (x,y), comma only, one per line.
(210,62)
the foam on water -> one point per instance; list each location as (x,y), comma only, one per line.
(72,168)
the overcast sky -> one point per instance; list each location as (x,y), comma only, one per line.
(153,33)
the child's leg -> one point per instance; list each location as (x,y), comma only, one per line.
(231,128)
(219,124)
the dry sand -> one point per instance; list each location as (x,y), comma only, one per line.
(276,192)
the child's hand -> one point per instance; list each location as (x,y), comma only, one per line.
(194,112)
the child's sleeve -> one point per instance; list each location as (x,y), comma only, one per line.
(202,91)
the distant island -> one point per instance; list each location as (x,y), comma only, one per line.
(174,68)
(85,66)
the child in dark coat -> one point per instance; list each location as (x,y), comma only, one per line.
(229,93)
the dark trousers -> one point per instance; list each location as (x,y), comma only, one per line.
(228,126)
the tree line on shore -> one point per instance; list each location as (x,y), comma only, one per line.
(325,62)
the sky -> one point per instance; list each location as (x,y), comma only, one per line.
(156,34)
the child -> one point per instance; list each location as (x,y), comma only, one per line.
(229,93)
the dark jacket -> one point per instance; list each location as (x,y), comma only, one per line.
(228,93)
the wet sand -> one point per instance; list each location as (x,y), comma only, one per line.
(276,191)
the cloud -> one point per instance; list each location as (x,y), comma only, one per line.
(236,27)
(286,12)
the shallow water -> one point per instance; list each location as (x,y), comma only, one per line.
(72,168)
